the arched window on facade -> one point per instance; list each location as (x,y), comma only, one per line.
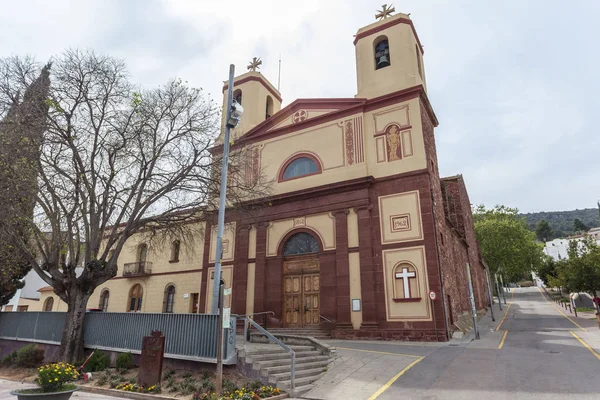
(406,282)
(48,304)
(237,96)
(142,253)
(135,299)
(301,243)
(269,107)
(382,53)
(104,300)
(175,246)
(301,166)
(169,299)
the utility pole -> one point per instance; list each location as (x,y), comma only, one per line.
(219,383)
(498,291)
(221,218)
(503,293)
(491,298)
(473,306)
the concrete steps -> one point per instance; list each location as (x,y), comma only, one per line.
(273,365)
(316,333)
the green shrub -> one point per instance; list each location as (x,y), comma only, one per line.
(229,385)
(30,356)
(103,379)
(584,309)
(99,362)
(124,361)
(9,360)
(170,373)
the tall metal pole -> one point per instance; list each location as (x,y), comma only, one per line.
(503,292)
(473,306)
(221,218)
(219,383)
(487,276)
(498,291)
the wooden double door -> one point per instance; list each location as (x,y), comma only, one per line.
(301,293)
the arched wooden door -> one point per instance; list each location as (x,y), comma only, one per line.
(301,281)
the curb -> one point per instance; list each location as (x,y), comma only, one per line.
(144,396)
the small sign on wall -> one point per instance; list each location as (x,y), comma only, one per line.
(355,304)
(186,295)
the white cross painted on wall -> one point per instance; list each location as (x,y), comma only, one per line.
(405,276)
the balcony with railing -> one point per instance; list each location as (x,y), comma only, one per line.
(137,268)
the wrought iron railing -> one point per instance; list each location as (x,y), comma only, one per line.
(137,268)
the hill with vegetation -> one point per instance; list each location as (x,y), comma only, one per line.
(562,222)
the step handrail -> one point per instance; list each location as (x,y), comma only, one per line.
(277,341)
(328,320)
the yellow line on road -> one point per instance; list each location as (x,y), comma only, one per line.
(587,346)
(379,352)
(560,311)
(394,379)
(506,312)
(503,339)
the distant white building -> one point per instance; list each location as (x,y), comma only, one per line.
(27,296)
(558,248)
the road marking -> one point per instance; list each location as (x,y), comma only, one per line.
(503,339)
(560,311)
(506,312)
(395,378)
(587,346)
(379,352)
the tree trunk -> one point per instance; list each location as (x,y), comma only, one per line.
(71,346)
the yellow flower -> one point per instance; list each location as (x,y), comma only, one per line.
(49,380)
(55,379)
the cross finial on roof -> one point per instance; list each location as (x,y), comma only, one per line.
(385,12)
(254,64)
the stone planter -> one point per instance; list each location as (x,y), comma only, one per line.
(44,396)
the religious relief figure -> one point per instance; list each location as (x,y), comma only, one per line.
(392,135)
(350,142)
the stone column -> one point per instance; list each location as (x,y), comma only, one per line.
(342,270)
(260,271)
(240,270)
(367,278)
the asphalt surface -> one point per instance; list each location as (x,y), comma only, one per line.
(539,358)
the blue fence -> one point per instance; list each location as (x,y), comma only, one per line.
(188,336)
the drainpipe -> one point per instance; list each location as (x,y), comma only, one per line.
(437,252)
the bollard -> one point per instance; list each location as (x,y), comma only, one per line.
(598,318)
(571,312)
(575,310)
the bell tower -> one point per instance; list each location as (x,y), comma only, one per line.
(256,94)
(389,55)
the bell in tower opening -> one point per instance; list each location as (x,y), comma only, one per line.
(382,54)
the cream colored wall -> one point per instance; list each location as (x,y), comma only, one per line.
(309,113)
(355,288)
(406,311)
(254,100)
(400,217)
(407,116)
(227,274)
(58,305)
(252,242)
(32,304)
(403,71)
(153,292)
(159,254)
(228,243)
(250,288)
(322,225)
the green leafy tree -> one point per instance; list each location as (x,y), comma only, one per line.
(543,231)
(547,270)
(582,268)
(20,138)
(580,226)
(507,245)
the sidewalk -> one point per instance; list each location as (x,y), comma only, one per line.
(7,386)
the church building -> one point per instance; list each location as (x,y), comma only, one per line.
(360,229)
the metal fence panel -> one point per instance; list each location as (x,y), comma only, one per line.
(188,336)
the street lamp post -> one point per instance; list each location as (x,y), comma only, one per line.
(233,115)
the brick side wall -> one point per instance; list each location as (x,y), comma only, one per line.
(454,229)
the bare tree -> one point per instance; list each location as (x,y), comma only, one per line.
(116,160)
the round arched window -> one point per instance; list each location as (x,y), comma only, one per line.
(301,166)
(301,243)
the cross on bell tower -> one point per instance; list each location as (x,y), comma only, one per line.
(385,12)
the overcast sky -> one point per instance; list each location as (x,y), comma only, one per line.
(514,83)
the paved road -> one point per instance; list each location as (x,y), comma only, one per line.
(539,358)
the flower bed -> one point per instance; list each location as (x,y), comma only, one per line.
(132,387)
(263,392)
